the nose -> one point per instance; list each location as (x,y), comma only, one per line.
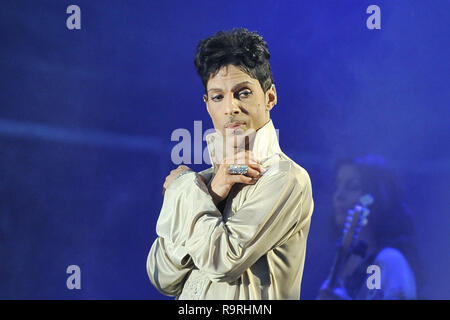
(232,106)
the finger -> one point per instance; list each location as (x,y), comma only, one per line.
(243,156)
(179,169)
(257,166)
(253,173)
(243,141)
(254,170)
(246,154)
(249,157)
(239,178)
(247,142)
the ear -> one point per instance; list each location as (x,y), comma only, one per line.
(271,98)
(205,100)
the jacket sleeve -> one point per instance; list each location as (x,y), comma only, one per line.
(280,205)
(168,266)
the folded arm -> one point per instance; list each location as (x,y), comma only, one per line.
(280,204)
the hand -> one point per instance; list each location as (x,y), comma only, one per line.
(173,174)
(337,293)
(223,181)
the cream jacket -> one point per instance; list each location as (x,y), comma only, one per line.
(254,249)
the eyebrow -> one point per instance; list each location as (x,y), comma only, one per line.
(240,84)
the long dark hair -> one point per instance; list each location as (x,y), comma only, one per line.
(390,219)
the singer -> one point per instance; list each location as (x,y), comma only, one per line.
(237,230)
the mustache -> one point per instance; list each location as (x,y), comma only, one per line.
(235,120)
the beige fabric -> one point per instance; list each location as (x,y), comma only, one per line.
(254,249)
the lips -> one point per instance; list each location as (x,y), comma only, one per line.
(235,125)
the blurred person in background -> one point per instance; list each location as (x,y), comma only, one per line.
(387,241)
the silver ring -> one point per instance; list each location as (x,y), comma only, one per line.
(238,169)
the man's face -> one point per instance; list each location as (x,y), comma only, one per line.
(236,102)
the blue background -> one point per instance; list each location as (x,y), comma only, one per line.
(86,118)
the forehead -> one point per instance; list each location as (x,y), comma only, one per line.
(228,76)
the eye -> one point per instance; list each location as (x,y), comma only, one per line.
(245,93)
(216,97)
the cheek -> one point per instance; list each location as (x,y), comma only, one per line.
(212,113)
(218,119)
(260,110)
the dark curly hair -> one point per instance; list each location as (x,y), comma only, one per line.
(239,47)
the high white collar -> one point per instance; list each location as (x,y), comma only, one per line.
(264,145)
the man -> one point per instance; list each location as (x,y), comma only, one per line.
(237,230)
